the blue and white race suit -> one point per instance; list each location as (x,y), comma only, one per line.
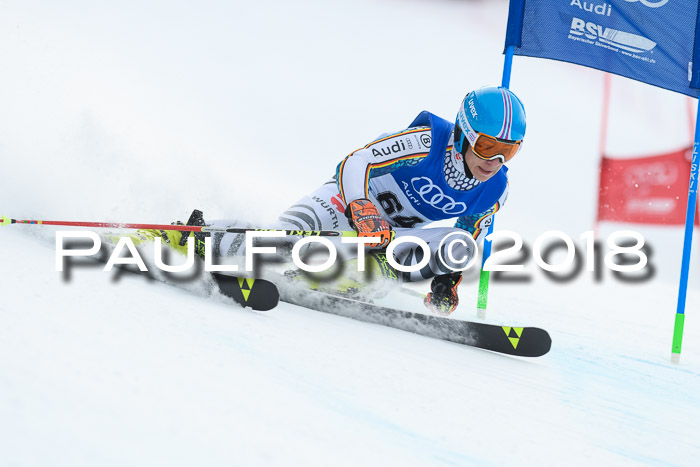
(413,177)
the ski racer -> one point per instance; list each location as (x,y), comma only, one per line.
(431,171)
(397,184)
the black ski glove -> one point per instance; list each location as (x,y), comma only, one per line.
(443,298)
(196,218)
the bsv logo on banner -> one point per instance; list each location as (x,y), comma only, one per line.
(610,37)
(650,3)
(434,196)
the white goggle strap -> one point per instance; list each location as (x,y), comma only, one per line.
(470,135)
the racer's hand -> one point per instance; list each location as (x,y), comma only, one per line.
(443,298)
(365,218)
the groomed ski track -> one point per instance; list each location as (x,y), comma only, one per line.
(92,364)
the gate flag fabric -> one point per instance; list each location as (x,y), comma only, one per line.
(645,190)
(653,41)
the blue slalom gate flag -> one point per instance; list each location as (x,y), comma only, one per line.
(653,41)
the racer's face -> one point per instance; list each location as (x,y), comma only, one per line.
(481,169)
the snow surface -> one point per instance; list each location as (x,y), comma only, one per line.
(140,112)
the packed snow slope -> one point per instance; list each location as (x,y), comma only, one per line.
(141,112)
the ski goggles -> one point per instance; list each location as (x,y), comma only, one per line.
(485,147)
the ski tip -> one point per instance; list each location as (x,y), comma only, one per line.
(5,220)
(258,294)
(273,302)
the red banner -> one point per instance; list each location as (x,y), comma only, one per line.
(645,190)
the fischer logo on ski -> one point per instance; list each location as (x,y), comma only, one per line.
(246,285)
(513,335)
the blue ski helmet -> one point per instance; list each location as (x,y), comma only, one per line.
(492,111)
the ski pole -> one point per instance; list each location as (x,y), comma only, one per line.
(182,228)
(299,233)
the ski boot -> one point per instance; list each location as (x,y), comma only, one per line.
(175,239)
(374,282)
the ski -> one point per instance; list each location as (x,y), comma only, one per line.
(510,340)
(258,294)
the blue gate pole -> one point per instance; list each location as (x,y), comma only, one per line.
(483,293)
(687,241)
(507,65)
